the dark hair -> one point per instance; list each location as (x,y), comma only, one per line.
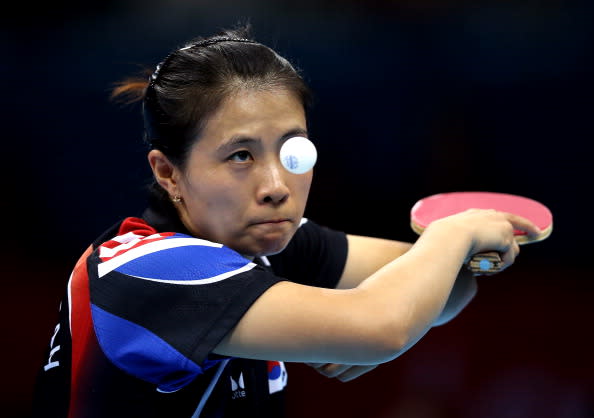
(192,81)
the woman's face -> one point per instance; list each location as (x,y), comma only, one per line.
(234,189)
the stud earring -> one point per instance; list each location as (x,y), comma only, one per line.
(176,199)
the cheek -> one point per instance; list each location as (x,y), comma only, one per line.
(217,201)
(214,214)
(307,181)
(302,187)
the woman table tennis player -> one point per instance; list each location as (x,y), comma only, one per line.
(191,309)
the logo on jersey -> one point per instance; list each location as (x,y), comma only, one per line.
(277,376)
(237,387)
(51,362)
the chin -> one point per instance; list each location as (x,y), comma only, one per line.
(271,247)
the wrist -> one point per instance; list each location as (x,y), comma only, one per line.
(452,237)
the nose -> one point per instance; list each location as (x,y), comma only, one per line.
(272,188)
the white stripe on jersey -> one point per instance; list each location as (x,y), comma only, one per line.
(126,241)
(213,279)
(70,303)
(127,237)
(149,248)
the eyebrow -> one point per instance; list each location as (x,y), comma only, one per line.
(246,140)
(293,132)
(236,141)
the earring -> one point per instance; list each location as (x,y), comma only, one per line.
(176,199)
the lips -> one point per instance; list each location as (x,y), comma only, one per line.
(271,221)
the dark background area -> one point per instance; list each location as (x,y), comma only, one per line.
(412,98)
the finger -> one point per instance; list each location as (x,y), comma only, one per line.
(331,369)
(314,365)
(354,372)
(523,224)
(510,255)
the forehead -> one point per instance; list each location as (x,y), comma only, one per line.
(255,112)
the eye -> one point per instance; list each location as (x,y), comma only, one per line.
(240,157)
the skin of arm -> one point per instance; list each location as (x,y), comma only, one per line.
(385,314)
(367,255)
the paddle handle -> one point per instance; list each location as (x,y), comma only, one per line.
(485,263)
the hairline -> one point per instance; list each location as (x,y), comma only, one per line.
(230,92)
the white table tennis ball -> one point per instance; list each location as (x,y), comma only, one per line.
(298,155)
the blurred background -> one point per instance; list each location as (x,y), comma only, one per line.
(412,98)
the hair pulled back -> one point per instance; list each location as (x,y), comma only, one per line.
(192,81)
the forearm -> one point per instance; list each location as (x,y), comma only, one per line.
(414,289)
(366,256)
(462,293)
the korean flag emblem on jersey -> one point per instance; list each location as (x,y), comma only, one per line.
(277,376)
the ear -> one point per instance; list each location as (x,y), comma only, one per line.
(164,171)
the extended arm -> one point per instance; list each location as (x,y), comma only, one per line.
(367,255)
(386,313)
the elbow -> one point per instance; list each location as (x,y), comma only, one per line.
(400,330)
(389,339)
(382,330)
(392,346)
(369,342)
(459,299)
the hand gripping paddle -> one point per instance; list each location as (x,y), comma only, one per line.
(441,205)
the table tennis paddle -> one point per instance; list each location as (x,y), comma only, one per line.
(441,205)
